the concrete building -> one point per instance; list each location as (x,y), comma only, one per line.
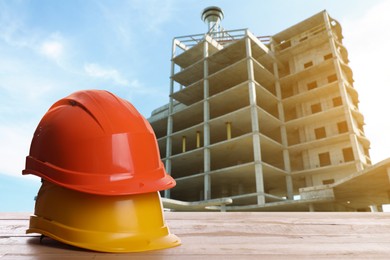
(271,122)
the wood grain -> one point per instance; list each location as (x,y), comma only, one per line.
(232,235)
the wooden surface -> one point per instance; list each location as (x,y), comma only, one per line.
(241,235)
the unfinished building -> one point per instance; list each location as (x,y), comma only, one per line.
(271,122)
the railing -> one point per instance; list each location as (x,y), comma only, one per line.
(222,37)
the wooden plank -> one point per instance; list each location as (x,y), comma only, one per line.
(232,235)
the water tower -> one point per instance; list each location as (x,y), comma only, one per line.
(212,15)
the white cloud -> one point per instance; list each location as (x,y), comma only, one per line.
(367,40)
(52,49)
(17,32)
(97,71)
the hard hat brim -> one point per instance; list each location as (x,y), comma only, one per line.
(104,242)
(114,184)
(128,223)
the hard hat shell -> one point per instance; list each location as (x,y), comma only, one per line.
(125,223)
(95,142)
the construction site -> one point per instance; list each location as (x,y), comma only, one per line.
(270,122)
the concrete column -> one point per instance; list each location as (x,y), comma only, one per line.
(183,143)
(255,125)
(168,165)
(228,130)
(206,128)
(289,186)
(168,162)
(343,93)
(197,139)
(283,132)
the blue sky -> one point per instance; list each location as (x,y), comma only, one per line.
(49,49)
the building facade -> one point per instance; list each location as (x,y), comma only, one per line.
(265,121)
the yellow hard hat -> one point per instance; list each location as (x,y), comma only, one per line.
(125,223)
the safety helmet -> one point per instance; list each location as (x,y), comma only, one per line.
(124,223)
(95,142)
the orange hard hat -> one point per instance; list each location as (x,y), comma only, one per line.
(124,223)
(95,142)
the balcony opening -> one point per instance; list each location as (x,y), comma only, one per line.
(328,181)
(324,159)
(342,127)
(315,108)
(337,101)
(308,64)
(312,85)
(328,56)
(332,78)
(320,132)
(348,154)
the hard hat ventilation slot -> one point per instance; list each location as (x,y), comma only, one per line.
(72,103)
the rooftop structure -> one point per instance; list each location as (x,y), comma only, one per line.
(272,123)
(212,16)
